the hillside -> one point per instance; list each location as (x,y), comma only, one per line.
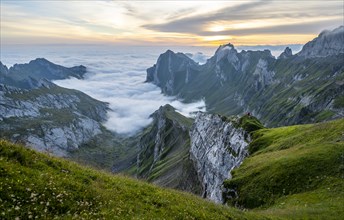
(293,172)
(34,185)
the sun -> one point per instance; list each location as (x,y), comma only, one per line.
(216,28)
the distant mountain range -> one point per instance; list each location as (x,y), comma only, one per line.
(292,89)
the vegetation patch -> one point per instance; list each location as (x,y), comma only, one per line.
(37,186)
(292,171)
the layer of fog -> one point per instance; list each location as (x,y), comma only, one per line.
(116,75)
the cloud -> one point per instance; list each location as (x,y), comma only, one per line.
(195,24)
(279,17)
(117,75)
(299,28)
(198,57)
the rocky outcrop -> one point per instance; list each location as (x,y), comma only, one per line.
(164,152)
(286,53)
(27,75)
(328,43)
(217,147)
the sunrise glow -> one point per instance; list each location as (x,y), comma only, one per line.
(165,22)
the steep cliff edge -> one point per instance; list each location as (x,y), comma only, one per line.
(164,152)
(195,155)
(218,145)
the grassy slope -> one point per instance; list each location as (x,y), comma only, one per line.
(33,184)
(294,172)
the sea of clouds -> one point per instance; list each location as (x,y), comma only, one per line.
(115,75)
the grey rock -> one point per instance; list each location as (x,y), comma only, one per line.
(326,44)
(217,147)
(286,53)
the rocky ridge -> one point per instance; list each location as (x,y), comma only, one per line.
(28,75)
(293,89)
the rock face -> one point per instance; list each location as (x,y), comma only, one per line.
(286,53)
(328,43)
(51,119)
(217,147)
(27,75)
(194,155)
(294,89)
(171,69)
(164,152)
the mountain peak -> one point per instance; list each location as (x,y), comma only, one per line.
(286,53)
(326,44)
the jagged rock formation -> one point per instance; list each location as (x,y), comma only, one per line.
(291,90)
(286,53)
(217,147)
(172,71)
(28,75)
(328,43)
(164,152)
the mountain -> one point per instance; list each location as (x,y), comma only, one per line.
(290,90)
(60,121)
(328,43)
(172,71)
(194,155)
(27,75)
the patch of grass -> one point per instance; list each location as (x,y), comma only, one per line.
(339,102)
(293,172)
(250,123)
(35,185)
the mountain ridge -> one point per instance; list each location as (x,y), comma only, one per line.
(277,91)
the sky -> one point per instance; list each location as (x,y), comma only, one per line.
(198,23)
